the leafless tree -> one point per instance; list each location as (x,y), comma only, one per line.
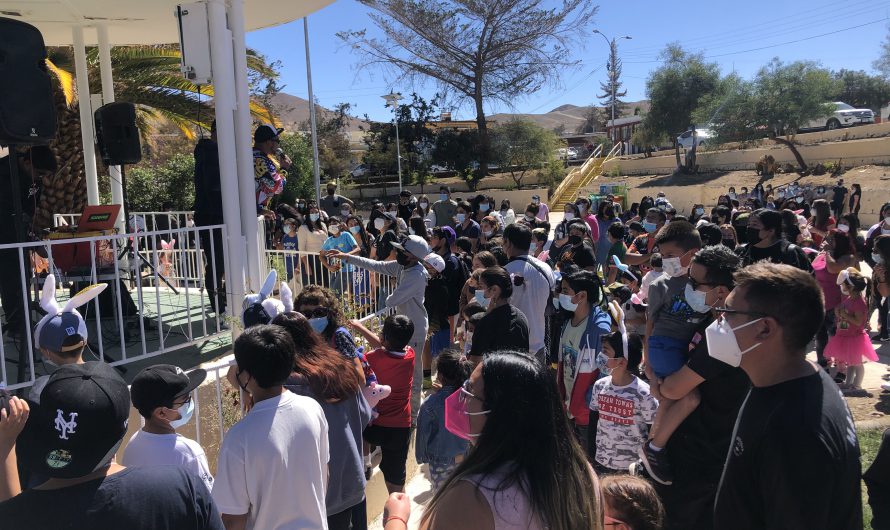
(475,50)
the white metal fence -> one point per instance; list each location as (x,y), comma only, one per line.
(157,301)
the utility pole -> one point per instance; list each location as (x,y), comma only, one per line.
(392,100)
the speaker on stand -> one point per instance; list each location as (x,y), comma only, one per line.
(118,140)
(27,117)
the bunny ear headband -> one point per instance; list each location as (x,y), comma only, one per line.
(59,323)
(618,315)
(260,309)
(844,277)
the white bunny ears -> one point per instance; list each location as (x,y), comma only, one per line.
(618,316)
(260,309)
(62,322)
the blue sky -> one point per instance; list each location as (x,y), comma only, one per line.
(740,36)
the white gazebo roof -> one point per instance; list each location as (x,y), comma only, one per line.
(139,21)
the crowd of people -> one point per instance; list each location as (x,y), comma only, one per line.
(631,368)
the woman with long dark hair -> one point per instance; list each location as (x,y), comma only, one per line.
(325,313)
(324,375)
(525,470)
(821,222)
(605,217)
(310,238)
(855,199)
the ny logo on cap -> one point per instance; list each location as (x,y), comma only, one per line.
(65,427)
(179,370)
(70,331)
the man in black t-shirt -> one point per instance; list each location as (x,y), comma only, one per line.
(838,196)
(697,449)
(765,242)
(576,251)
(793,461)
(72,436)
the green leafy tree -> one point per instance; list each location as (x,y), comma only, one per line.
(594,120)
(675,90)
(334,158)
(300,177)
(780,100)
(416,139)
(862,90)
(148,187)
(520,145)
(456,150)
(882,63)
(477,52)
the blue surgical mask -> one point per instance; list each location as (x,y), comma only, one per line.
(186,412)
(319,324)
(649,227)
(483,207)
(443,196)
(313,217)
(460,217)
(480,298)
(878,259)
(355,229)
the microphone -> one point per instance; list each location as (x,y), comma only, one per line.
(279,151)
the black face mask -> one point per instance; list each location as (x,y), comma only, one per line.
(729,243)
(404,260)
(330,192)
(753,235)
(575,240)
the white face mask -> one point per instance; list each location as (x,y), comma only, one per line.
(411,231)
(378,224)
(335,230)
(566,302)
(672,267)
(185,412)
(424,205)
(887,220)
(696,299)
(460,217)
(722,343)
(569,216)
(844,228)
(313,217)
(344,213)
(488,233)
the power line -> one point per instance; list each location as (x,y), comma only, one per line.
(795,41)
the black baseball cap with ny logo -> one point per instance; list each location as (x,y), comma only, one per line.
(80,422)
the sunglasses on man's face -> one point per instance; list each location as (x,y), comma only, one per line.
(318,312)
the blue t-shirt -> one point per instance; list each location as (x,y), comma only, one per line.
(344,242)
(289,242)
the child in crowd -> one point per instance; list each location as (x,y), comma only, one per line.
(674,314)
(393,362)
(579,345)
(61,335)
(466,335)
(289,244)
(622,407)
(654,274)
(163,396)
(631,503)
(434,444)
(851,342)
(617,248)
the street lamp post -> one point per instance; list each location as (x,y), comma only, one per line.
(613,57)
(392,100)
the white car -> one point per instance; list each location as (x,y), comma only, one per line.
(359,171)
(843,116)
(701,135)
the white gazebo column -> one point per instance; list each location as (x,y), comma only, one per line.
(224,102)
(86,116)
(114,172)
(243,142)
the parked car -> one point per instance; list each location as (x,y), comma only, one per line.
(360,171)
(702,135)
(567,153)
(843,116)
(573,153)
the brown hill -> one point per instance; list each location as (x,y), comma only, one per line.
(568,116)
(293,111)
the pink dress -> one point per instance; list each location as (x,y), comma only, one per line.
(850,343)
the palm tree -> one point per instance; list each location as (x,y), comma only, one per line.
(147,76)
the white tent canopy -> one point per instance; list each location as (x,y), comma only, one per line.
(140,21)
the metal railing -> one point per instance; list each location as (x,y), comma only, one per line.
(142,221)
(157,301)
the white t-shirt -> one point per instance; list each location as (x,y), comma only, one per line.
(625,415)
(532,296)
(648,278)
(273,465)
(148,449)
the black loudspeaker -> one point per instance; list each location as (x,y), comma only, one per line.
(117,134)
(27,113)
